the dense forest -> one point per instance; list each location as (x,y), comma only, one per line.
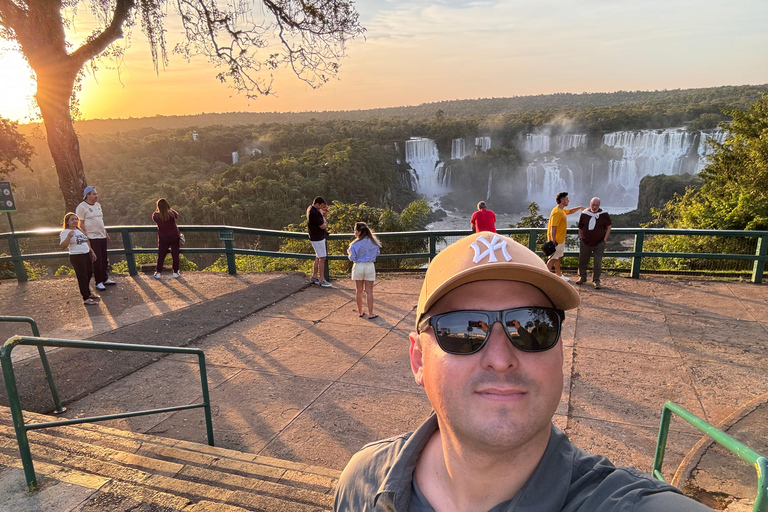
(351,157)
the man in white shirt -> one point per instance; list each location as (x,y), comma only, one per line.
(92,224)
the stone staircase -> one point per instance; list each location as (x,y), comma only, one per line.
(105,469)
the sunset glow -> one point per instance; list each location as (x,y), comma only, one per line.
(416,52)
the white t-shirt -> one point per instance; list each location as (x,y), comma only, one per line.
(93,219)
(78,244)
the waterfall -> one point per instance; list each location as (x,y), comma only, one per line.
(483,143)
(704,150)
(537,143)
(490,181)
(649,152)
(543,143)
(570,141)
(458,149)
(421,155)
(544,180)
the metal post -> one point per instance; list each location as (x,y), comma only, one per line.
(43,358)
(229,250)
(661,444)
(18,263)
(130,259)
(18,419)
(532,238)
(432,246)
(206,399)
(636,259)
(761,500)
(759,267)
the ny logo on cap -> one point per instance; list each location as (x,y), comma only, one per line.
(492,247)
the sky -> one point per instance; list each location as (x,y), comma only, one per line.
(419,51)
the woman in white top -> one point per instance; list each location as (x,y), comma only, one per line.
(80,255)
(362,252)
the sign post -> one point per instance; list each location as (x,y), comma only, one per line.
(7,204)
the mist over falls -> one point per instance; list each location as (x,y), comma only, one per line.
(609,166)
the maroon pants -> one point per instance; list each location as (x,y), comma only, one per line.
(165,244)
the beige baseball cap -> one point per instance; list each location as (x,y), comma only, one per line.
(484,256)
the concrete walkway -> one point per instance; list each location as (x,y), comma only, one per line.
(308,381)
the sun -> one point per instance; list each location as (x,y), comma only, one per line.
(17,86)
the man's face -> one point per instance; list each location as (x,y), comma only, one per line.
(500,397)
(564,201)
(594,205)
(91,197)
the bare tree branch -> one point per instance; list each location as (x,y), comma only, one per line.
(113,31)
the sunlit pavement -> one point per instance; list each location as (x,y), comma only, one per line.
(306,380)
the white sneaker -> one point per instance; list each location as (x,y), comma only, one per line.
(176,275)
(314,280)
(325,284)
(565,278)
(109,281)
(157,275)
(100,286)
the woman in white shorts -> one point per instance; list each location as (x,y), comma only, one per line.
(362,252)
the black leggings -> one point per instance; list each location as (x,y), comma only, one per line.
(165,243)
(84,271)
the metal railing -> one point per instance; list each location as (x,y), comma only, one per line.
(43,359)
(15,404)
(225,244)
(751,457)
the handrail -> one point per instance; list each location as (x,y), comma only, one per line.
(751,457)
(15,404)
(43,358)
(637,253)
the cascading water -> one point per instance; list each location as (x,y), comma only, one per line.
(705,150)
(421,154)
(458,149)
(536,143)
(546,179)
(490,182)
(649,152)
(483,143)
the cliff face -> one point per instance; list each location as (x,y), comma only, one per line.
(656,191)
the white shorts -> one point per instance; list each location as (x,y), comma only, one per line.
(364,271)
(559,252)
(319,247)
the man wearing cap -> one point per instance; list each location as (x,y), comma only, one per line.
(558,223)
(490,444)
(92,224)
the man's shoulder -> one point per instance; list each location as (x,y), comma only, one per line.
(366,471)
(604,487)
(83,206)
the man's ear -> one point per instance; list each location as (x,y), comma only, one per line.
(417,363)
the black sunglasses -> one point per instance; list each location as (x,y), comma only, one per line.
(531,329)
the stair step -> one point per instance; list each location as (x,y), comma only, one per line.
(125,469)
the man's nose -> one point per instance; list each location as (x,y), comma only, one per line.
(499,354)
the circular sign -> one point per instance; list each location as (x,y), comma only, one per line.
(9,204)
(6,191)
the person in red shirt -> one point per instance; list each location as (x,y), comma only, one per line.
(483,219)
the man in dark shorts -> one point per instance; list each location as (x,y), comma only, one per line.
(490,444)
(316,225)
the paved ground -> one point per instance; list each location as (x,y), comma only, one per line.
(307,380)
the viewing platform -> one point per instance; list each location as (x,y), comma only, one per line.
(299,383)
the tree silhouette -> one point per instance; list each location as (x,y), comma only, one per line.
(308,36)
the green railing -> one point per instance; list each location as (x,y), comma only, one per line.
(43,358)
(15,404)
(751,457)
(227,235)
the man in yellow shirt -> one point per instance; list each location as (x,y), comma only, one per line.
(558,223)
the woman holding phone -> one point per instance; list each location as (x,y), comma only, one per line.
(80,255)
